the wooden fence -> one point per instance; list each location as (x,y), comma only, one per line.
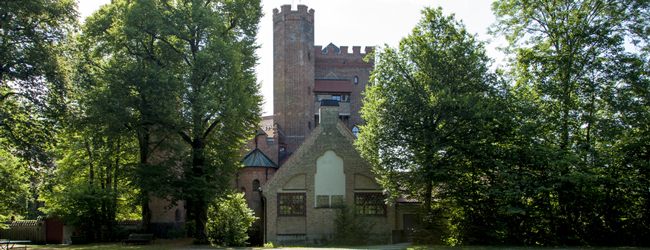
(50,231)
(33,230)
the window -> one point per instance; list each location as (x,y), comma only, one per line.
(291,204)
(336,97)
(356,80)
(177,215)
(355,131)
(256,185)
(322,201)
(370,204)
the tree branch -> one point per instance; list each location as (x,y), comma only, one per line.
(212,126)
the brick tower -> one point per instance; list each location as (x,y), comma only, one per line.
(293,75)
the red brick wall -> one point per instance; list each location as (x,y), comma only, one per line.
(293,74)
(318,222)
(346,65)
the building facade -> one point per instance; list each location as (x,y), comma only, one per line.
(302,160)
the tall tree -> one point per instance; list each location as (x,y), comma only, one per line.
(208,48)
(32,77)
(14,189)
(569,63)
(32,84)
(429,112)
(90,188)
(131,85)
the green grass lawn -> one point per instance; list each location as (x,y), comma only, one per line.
(158,244)
(165,244)
(521,248)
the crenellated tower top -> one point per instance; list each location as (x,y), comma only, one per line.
(286,13)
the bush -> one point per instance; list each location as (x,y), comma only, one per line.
(433,228)
(351,228)
(228,221)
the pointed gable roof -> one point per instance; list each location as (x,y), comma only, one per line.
(305,146)
(258,159)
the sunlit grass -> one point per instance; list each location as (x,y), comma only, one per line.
(162,244)
(424,247)
(165,244)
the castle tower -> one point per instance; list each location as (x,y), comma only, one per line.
(293,75)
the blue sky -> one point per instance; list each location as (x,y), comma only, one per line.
(357,23)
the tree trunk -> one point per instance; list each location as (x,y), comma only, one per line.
(144,157)
(427,198)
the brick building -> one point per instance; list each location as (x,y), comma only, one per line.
(302,159)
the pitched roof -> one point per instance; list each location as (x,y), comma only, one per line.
(258,159)
(333,85)
(336,48)
(302,150)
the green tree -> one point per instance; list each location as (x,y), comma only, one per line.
(352,228)
(229,219)
(15,187)
(33,34)
(431,110)
(32,75)
(90,188)
(131,86)
(208,48)
(570,68)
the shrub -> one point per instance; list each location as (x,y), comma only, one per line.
(228,220)
(351,228)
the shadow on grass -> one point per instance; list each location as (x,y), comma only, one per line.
(162,244)
(521,248)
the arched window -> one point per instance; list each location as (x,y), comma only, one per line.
(356,80)
(355,131)
(178,215)
(256,185)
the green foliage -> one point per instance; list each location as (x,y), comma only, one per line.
(352,228)
(187,70)
(229,219)
(555,157)
(432,114)
(32,73)
(567,180)
(90,187)
(32,93)
(15,187)
(270,244)
(433,227)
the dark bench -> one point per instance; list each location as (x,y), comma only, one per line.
(11,244)
(139,239)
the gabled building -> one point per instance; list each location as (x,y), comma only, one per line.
(303,160)
(325,169)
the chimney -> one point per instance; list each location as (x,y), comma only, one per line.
(328,112)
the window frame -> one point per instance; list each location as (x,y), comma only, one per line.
(368,204)
(356,133)
(293,203)
(256,185)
